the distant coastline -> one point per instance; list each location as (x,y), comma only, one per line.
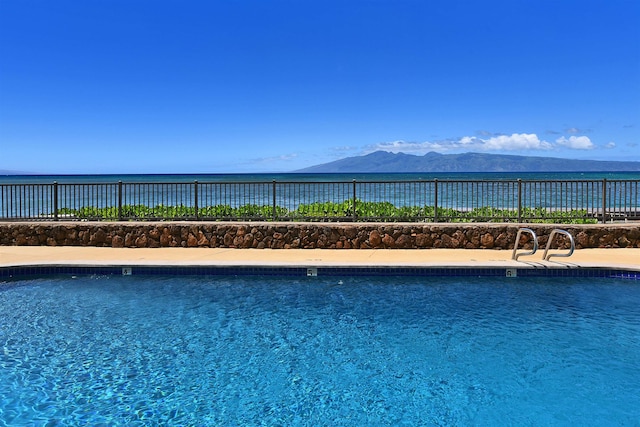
(385,162)
(384,165)
(12,172)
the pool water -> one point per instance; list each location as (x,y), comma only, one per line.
(112,350)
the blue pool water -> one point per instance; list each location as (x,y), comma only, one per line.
(112,350)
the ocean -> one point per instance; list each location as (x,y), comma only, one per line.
(315,177)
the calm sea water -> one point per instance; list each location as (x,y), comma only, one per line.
(141,351)
(268,177)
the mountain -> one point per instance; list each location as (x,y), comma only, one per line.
(385,162)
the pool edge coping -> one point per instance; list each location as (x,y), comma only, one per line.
(452,260)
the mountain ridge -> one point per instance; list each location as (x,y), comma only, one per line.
(386,162)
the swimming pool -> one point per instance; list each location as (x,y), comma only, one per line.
(345,351)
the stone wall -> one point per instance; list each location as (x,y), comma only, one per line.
(308,235)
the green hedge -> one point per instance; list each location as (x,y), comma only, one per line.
(330,211)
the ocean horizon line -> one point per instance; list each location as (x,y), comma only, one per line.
(310,177)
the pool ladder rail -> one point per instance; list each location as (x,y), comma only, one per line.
(546,255)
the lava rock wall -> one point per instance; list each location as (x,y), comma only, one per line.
(309,235)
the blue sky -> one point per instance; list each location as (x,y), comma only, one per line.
(132,86)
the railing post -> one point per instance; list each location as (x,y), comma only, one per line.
(519,200)
(354,201)
(119,200)
(55,200)
(195,198)
(604,200)
(274,215)
(435,202)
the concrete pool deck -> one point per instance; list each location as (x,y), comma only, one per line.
(18,256)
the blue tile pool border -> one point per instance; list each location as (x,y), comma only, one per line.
(25,272)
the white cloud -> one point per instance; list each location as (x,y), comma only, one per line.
(576,142)
(610,145)
(517,141)
(521,142)
(467,140)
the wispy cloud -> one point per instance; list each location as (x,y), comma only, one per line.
(411,147)
(570,130)
(343,150)
(610,145)
(275,159)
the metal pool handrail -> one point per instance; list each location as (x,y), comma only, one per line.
(551,236)
(515,246)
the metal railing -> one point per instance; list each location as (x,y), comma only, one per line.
(520,201)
